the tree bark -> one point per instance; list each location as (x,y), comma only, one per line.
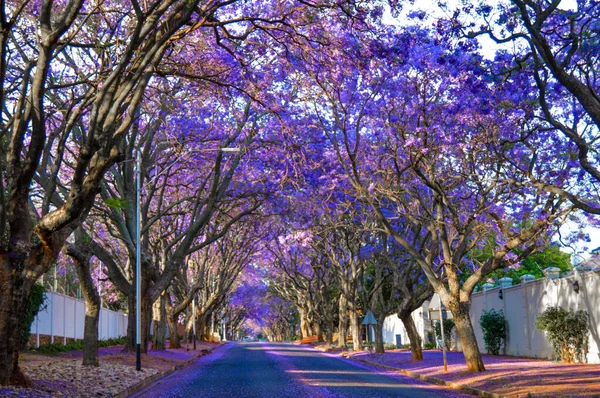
(329,332)
(343,322)
(81,257)
(465,331)
(174,340)
(355,329)
(305,328)
(189,327)
(14,292)
(160,326)
(379,335)
(90,333)
(317,331)
(145,315)
(413,336)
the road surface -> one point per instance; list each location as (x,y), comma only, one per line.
(267,370)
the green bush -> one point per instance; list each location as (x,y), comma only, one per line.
(493,324)
(448,325)
(430,346)
(78,345)
(567,332)
(35,304)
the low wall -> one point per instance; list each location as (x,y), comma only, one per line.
(63,319)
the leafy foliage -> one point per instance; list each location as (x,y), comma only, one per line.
(35,304)
(78,345)
(448,325)
(567,331)
(534,264)
(116,203)
(493,324)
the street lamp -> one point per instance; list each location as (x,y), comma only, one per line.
(138,249)
(138,261)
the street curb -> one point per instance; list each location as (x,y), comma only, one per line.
(146,382)
(434,380)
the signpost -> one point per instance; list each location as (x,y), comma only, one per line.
(438,314)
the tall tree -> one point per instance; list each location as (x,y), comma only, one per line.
(92,65)
(421,141)
(556,51)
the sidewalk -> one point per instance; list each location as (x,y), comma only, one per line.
(506,376)
(63,375)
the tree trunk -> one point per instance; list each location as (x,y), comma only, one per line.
(465,331)
(189,327)
(14,293)
(413,336)
(160,326)
(304,324)
(146,318)
(317,330)
(343,322)
(171,319)
(92,310)
(203,330)
(329,332)
(378,336)
(174,340)
(90,333)
(355,329)
(81,257)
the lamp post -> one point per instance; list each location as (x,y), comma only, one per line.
(138,249)
(138,262)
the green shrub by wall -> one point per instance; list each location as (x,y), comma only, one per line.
(78,345)
(35,304)
(493,324)
(567,332)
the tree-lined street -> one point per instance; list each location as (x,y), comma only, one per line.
(291,170)
(283,370)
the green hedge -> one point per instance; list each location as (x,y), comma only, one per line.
(78,345)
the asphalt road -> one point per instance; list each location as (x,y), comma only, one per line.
(266,370)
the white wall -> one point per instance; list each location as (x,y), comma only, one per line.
(522,303)
(64,317)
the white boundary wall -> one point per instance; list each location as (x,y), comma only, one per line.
(522,303)
(64,318)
